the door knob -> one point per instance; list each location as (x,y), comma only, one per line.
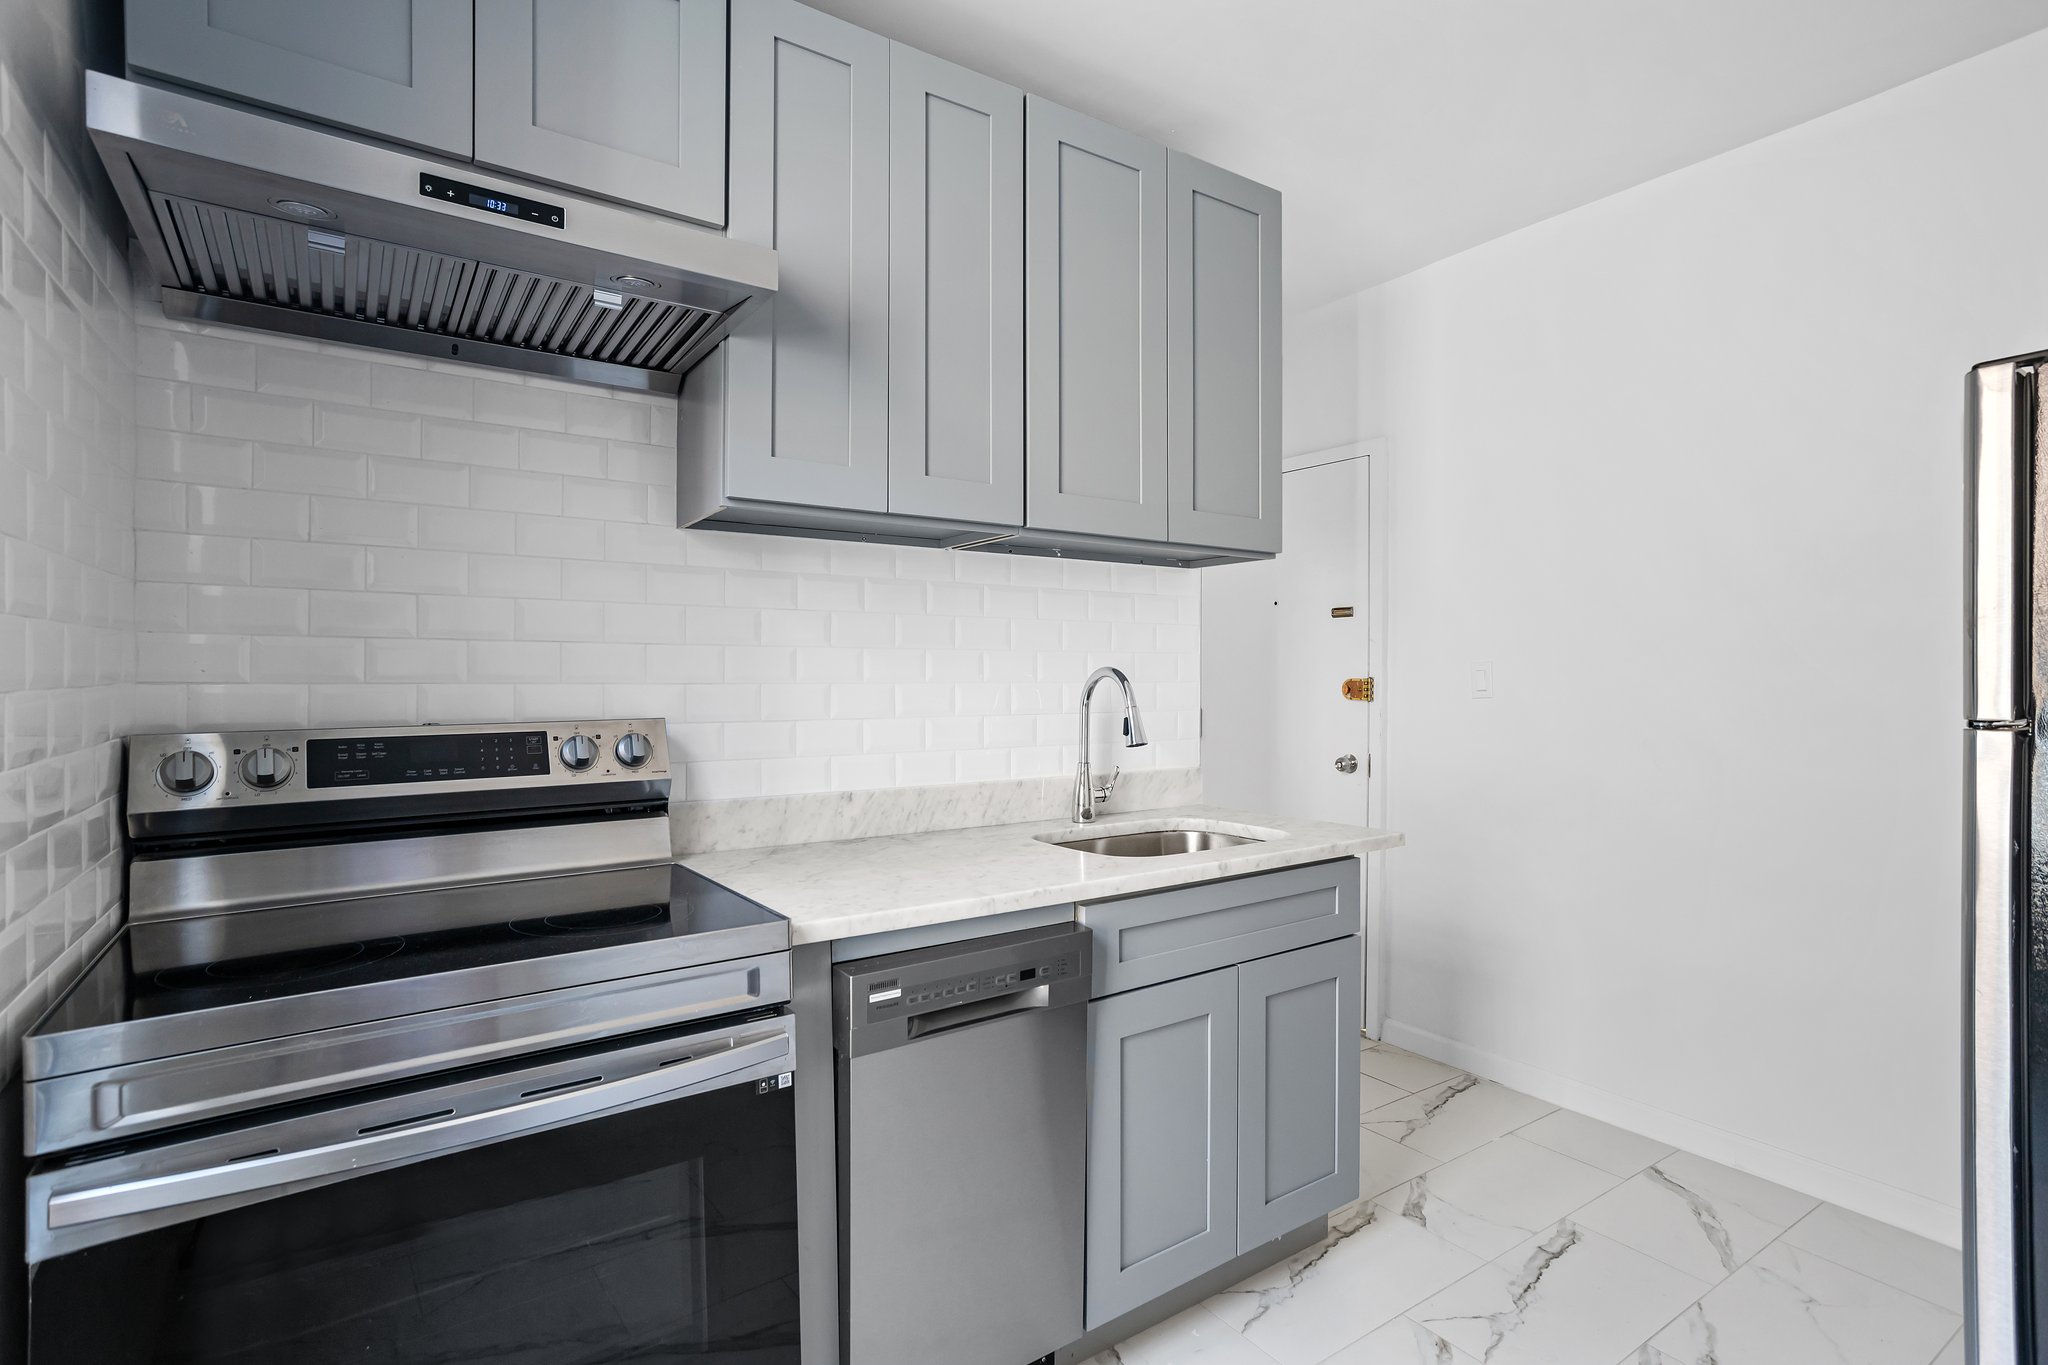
(1347,763)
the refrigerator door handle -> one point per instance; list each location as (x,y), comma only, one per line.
(1995,897)
(1998,447)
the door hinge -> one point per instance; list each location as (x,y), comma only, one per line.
(1358,689)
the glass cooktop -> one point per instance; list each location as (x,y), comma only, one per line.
(656,918)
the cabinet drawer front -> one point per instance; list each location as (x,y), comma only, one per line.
(1297,1121)
(1147,939)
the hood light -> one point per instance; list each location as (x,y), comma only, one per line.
(299,208)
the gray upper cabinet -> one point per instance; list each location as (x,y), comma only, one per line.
(1162,1139)
(621,98)
(396,69)
(1095,270)
(1297,1124)
(806,384)
(956,292)
(1223,357)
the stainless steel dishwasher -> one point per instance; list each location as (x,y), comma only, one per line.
(963,1097)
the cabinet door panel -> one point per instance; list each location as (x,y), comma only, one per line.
(1095,326)
(395,69)
(1297,1148)
(956,287)
(622,98)
(1162,1139)
(1223,357)
(807,385)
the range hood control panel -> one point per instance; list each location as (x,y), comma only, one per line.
(504,203)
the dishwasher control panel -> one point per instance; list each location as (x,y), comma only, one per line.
(1027,967)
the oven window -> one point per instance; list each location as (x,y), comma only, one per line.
(666,1233)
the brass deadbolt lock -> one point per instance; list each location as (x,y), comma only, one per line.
(1358,689)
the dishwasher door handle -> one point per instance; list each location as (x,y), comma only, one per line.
(975,1011)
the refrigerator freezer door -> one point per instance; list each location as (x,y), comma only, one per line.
(1994,891)
(1998,479)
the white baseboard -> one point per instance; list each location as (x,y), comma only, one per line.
(1860,1194)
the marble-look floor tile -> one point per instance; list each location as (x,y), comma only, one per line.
(1593,1142)
(1697,1215)
(1570,1297)
(1374,1092)
(1951,1354)
(1499,1196)
(1453,1118)
(1370,1268)
(1926,1269)
(1402,1342)
(1791,1307)
(1382,1164)
(1196,1337)
(1397,1066)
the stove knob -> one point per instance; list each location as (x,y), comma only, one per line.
(633,749)
(267,769)
(185,772)
(578,753)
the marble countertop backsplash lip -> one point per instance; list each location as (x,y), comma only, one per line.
(842,888)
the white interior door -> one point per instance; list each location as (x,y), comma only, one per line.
(1322,742)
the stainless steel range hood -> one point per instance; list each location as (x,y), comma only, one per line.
(257,221)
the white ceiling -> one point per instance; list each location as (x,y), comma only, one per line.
(1404,131)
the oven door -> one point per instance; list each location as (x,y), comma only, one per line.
(631,1202)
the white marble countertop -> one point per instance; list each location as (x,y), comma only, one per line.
(902,881)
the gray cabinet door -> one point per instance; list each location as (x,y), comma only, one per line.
(1297,1120)
(622,98)
(1094,326)
(807,373)
(395,69)
(956,292)
(1162,1139)
(1223,357)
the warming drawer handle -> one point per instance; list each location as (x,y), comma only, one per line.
(975,1011)
(416,1143)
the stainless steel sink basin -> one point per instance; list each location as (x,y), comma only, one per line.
(1157,843)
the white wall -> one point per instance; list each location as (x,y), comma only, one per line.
(333,536)
(66,550)
(1684,465)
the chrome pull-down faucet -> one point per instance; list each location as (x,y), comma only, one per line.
(1086,794)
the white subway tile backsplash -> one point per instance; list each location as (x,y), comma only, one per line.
(368,430)
(301,659)
(217,609)
(294,564)
(431,571)
(403,479)
(309,374)
(383,540)
(347,613)
(248,512)
(359,521)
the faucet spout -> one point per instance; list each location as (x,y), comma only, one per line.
(1086,794)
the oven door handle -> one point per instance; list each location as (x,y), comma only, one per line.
(420,1141)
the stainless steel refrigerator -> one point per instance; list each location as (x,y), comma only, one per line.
(2005,864)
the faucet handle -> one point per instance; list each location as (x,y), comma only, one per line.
(1102,792)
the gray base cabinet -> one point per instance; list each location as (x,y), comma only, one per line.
(1297,1117)
(1223,1105)
(619,98)
(396,69)
(1162,1139)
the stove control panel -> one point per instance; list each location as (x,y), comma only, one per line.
(221,772)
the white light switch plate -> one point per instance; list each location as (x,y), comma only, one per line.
(1482,681)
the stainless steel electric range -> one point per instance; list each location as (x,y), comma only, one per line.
(416,1047)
